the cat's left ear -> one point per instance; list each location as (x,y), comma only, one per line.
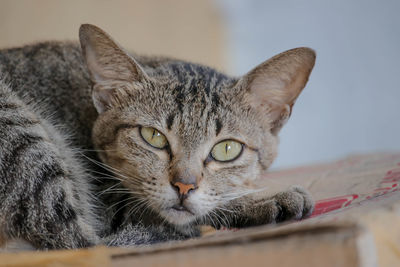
(273,86)
(110,67)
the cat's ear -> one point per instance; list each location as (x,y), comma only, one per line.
(273,86)
(108,63)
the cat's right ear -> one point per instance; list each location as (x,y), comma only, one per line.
(110,67)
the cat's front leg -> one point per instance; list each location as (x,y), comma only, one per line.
(293,204)
(45,197)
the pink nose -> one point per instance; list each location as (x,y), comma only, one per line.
(184,189)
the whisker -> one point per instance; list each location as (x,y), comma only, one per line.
(102,164)
(109,176)
(140,204)
(239,194)
(138,201)
(123,200)
(220,219)
(112,170)
(109,189)
(146,206)
(211,220)
(225,216)
(224,209)
(114,191)
(80,150)
(125,205)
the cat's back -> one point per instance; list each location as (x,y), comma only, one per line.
(44,69)
(53,76)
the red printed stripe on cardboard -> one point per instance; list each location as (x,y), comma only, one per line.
(330,204)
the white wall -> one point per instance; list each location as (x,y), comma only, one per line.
(352,101)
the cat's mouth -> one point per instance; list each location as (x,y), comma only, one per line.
(181,208)
(178,214)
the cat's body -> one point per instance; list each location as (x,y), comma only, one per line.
(46,92)
(55,193)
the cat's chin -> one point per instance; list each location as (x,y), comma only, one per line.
(178,217)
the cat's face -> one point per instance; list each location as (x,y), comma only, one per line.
(168,132)
(184,138)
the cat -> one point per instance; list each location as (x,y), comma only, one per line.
(102,146)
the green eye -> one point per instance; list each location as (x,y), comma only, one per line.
(153,137)
(227,150)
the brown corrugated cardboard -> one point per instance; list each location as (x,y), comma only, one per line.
(356,223)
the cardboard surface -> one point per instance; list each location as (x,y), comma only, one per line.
(255,249)
(356,223)
(97,257)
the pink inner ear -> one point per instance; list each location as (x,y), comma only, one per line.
(279,80)
(274,86)
(101,98)
(267,92)
(275,96)
(92,65)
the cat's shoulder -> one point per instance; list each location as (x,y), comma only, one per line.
(41,59)
(40,48)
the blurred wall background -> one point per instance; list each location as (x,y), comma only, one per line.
(351,103)
(187,29)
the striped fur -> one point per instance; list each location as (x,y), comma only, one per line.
(74,171)
(44,192)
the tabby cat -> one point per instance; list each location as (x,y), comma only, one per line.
(99,146)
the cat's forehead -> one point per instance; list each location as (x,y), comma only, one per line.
(190,76)
(193,101)
(199,95)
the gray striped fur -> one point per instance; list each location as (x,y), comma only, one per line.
(73,174)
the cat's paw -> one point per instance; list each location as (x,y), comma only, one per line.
(294,204)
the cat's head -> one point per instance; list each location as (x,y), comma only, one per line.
(184,138)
